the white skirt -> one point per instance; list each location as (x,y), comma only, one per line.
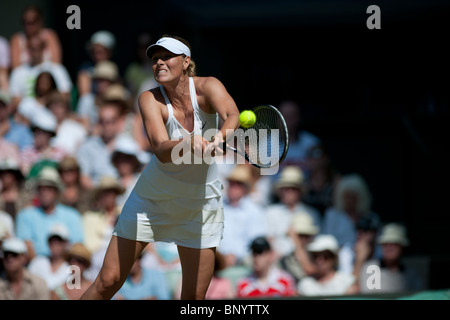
(193,223)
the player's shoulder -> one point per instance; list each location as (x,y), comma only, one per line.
(207,83)
(150,97)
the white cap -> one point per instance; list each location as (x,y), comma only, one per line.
(324,242)
(15,245)
(59,230)
(44,120)
(129,146)
(171,44)
(104,38)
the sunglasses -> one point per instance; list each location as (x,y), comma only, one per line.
(9,254)
(324,255)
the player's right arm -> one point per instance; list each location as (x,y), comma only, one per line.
(155,128)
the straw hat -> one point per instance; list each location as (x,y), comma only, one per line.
(241,173)
(68,163)
(109,183)
(394,233)
(49,177)
(106,70)
(302,223)
(290,176)
(78,250)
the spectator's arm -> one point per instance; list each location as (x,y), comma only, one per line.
(55,46)
(302,255)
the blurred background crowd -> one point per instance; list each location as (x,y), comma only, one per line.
(346,214)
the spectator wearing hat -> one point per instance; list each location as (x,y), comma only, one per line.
(73,193)
(12,131)
(44,129)
(100,48)
(266,279)
(94,155)
(16,282)
(53,269)
(34,223)
(326,280)
(289,187)
(79,258)
(99,223)
(128,159)
(13,194)
(302,233)
(104,75)
(395,275)
(244,219)
(70,131)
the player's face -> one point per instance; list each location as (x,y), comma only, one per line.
(168,66)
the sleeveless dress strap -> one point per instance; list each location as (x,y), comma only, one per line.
(168,104)
(193,94)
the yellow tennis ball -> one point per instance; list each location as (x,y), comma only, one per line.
(247,118)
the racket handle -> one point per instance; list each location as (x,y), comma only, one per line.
(223,146)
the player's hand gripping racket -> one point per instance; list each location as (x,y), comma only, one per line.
(265,143)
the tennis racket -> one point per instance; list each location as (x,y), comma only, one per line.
(265,144)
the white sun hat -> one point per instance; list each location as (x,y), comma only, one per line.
(302,223)
(393,233)
(171,44)
(324,242)
(103,38)
(14,245)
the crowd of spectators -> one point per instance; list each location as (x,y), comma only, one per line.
(68,162)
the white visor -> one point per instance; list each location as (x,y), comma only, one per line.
(170,44)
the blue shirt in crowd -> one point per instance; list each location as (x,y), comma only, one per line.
(19,134)
(34,225)
(153,284)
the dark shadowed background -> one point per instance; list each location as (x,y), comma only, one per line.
(378,99)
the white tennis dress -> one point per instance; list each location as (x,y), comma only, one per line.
(177,203)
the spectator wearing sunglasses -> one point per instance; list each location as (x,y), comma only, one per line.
(326,280)
(16,282)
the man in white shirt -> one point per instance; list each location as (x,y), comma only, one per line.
(23,78)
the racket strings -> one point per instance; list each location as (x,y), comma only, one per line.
(265,142)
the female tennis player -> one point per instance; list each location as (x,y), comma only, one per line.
(177,203)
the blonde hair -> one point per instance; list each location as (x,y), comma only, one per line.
(192,69)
